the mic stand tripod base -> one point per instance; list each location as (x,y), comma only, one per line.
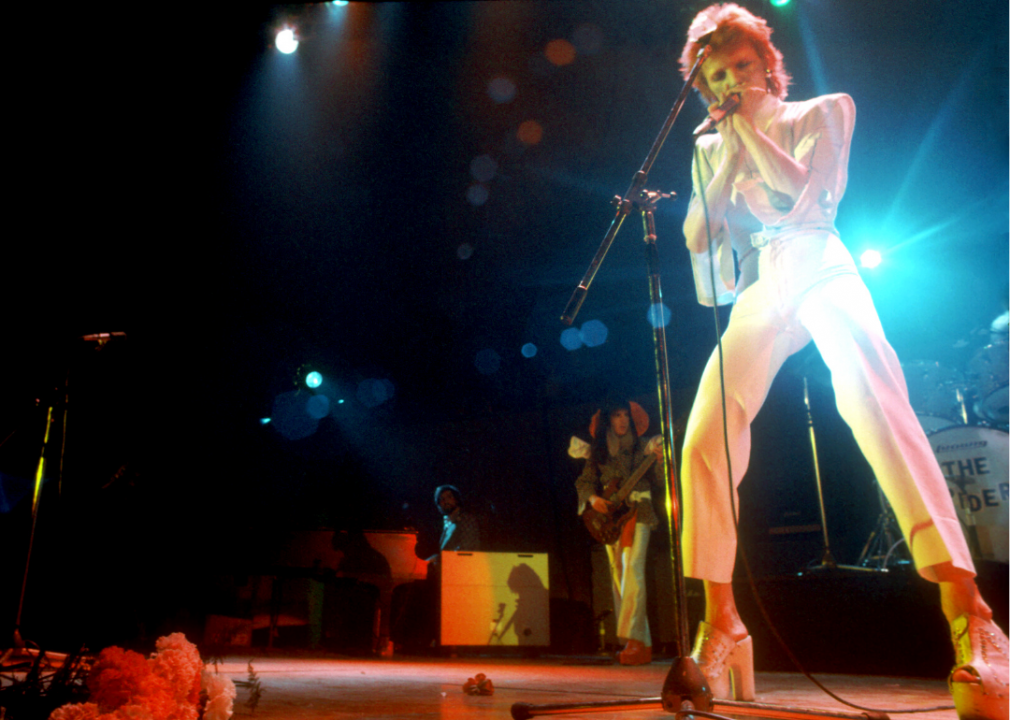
(524,711)
(828,564)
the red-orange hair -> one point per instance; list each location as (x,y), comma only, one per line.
(733,25)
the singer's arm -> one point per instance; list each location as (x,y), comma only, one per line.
(718,191)
(778,169)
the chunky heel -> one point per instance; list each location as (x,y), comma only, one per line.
(980,649)
(728,666)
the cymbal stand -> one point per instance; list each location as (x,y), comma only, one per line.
(827,559)
(884,540)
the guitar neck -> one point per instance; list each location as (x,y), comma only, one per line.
(632,481)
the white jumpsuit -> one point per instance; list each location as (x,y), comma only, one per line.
(807,287)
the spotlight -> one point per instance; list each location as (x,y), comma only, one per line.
(264,421)
(313,379)
(870,259)
(779,3)
(286,42)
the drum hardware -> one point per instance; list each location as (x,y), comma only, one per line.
(937,394)
(827,559)
(884,541)
(988,370)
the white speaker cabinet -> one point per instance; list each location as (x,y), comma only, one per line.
(495,598)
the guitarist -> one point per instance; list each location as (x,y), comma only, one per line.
(617,449)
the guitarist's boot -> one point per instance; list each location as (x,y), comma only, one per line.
(635,653)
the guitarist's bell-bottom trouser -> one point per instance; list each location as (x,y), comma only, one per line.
(627,573)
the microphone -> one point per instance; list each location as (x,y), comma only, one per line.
(728,107)
(102,337)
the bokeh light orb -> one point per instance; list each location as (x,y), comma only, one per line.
(659,315)
(560,52)
(464,251)
(529,350)
(501,90)
(487,361)
(594,333)
(289,415)
(313,379)
(373,392)
(318,406)
(571,339)
(530,132)
(477,194)
(483,168)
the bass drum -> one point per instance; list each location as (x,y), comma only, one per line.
(974,463)
(932,424)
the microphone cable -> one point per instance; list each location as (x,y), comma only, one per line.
(732,490)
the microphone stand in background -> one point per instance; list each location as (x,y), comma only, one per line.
(58,404)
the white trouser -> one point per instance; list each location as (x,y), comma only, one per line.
(627,573)
(809,288)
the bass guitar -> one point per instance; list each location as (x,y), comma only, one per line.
(607,527)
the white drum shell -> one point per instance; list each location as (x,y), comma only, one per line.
(974,462)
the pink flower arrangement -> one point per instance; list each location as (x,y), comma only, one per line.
(126,686)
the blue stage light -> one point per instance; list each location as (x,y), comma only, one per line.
(313,379)
(870,259)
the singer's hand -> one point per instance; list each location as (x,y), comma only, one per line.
(726,129)
(751,99)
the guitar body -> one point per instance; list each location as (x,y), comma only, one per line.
(607,527)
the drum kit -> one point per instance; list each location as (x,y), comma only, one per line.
(965,416)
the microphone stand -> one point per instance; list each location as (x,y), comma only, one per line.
(685,687)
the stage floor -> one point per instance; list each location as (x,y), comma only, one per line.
(304,688)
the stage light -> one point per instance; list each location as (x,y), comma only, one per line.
(529,350)
(313,379)
(870,259)
(779,3)
(286,42)
(264,421)
(340,3)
